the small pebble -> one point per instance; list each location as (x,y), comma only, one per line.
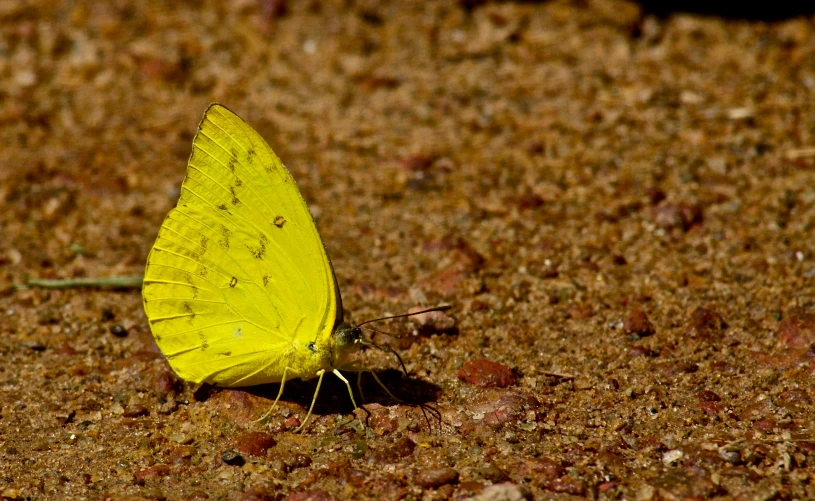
(706,323)
(258,493)
(433,321)
(155,471)
(683,215)
(391,453)
(132,411)
(637,325)
(291,423)
(492,473)
(655,195)
(431,478)
(568,485)
(295,461)
(118,331)
(543,470)
(675,367)
(707,396)
(640,351)
(232,458)
(797,329)
(254,443)
(487,373)
(107,315)
(506,408)
(165,383)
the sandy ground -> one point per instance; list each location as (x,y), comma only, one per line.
(618,206)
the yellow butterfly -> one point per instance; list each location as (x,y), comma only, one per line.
(238,288)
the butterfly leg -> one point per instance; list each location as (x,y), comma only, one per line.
(320,373)
(359,386)
(359,371)
(279,393)
(381,384)
(347,384)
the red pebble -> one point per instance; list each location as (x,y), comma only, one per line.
(487,373)
(254,443)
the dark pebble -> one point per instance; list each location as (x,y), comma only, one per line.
(431,478)
(107,315)
(254,443)
(232,457)
(655,195)
(487,373)
(33,345)
(118,331)
(637,325)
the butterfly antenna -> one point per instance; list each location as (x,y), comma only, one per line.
(436,308)
(371,329)
(386,349)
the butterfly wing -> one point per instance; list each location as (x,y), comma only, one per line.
(238,282)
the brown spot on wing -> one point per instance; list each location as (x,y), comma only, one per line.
(266,279)
(233,282)
(203,338)
(259,251)
(279,221)
(233,159)
(235,200)
(223,242)
(189,311)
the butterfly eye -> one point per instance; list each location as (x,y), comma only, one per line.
(311,346)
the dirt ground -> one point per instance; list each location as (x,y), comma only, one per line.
(617,203)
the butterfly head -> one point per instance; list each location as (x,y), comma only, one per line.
(347,339)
